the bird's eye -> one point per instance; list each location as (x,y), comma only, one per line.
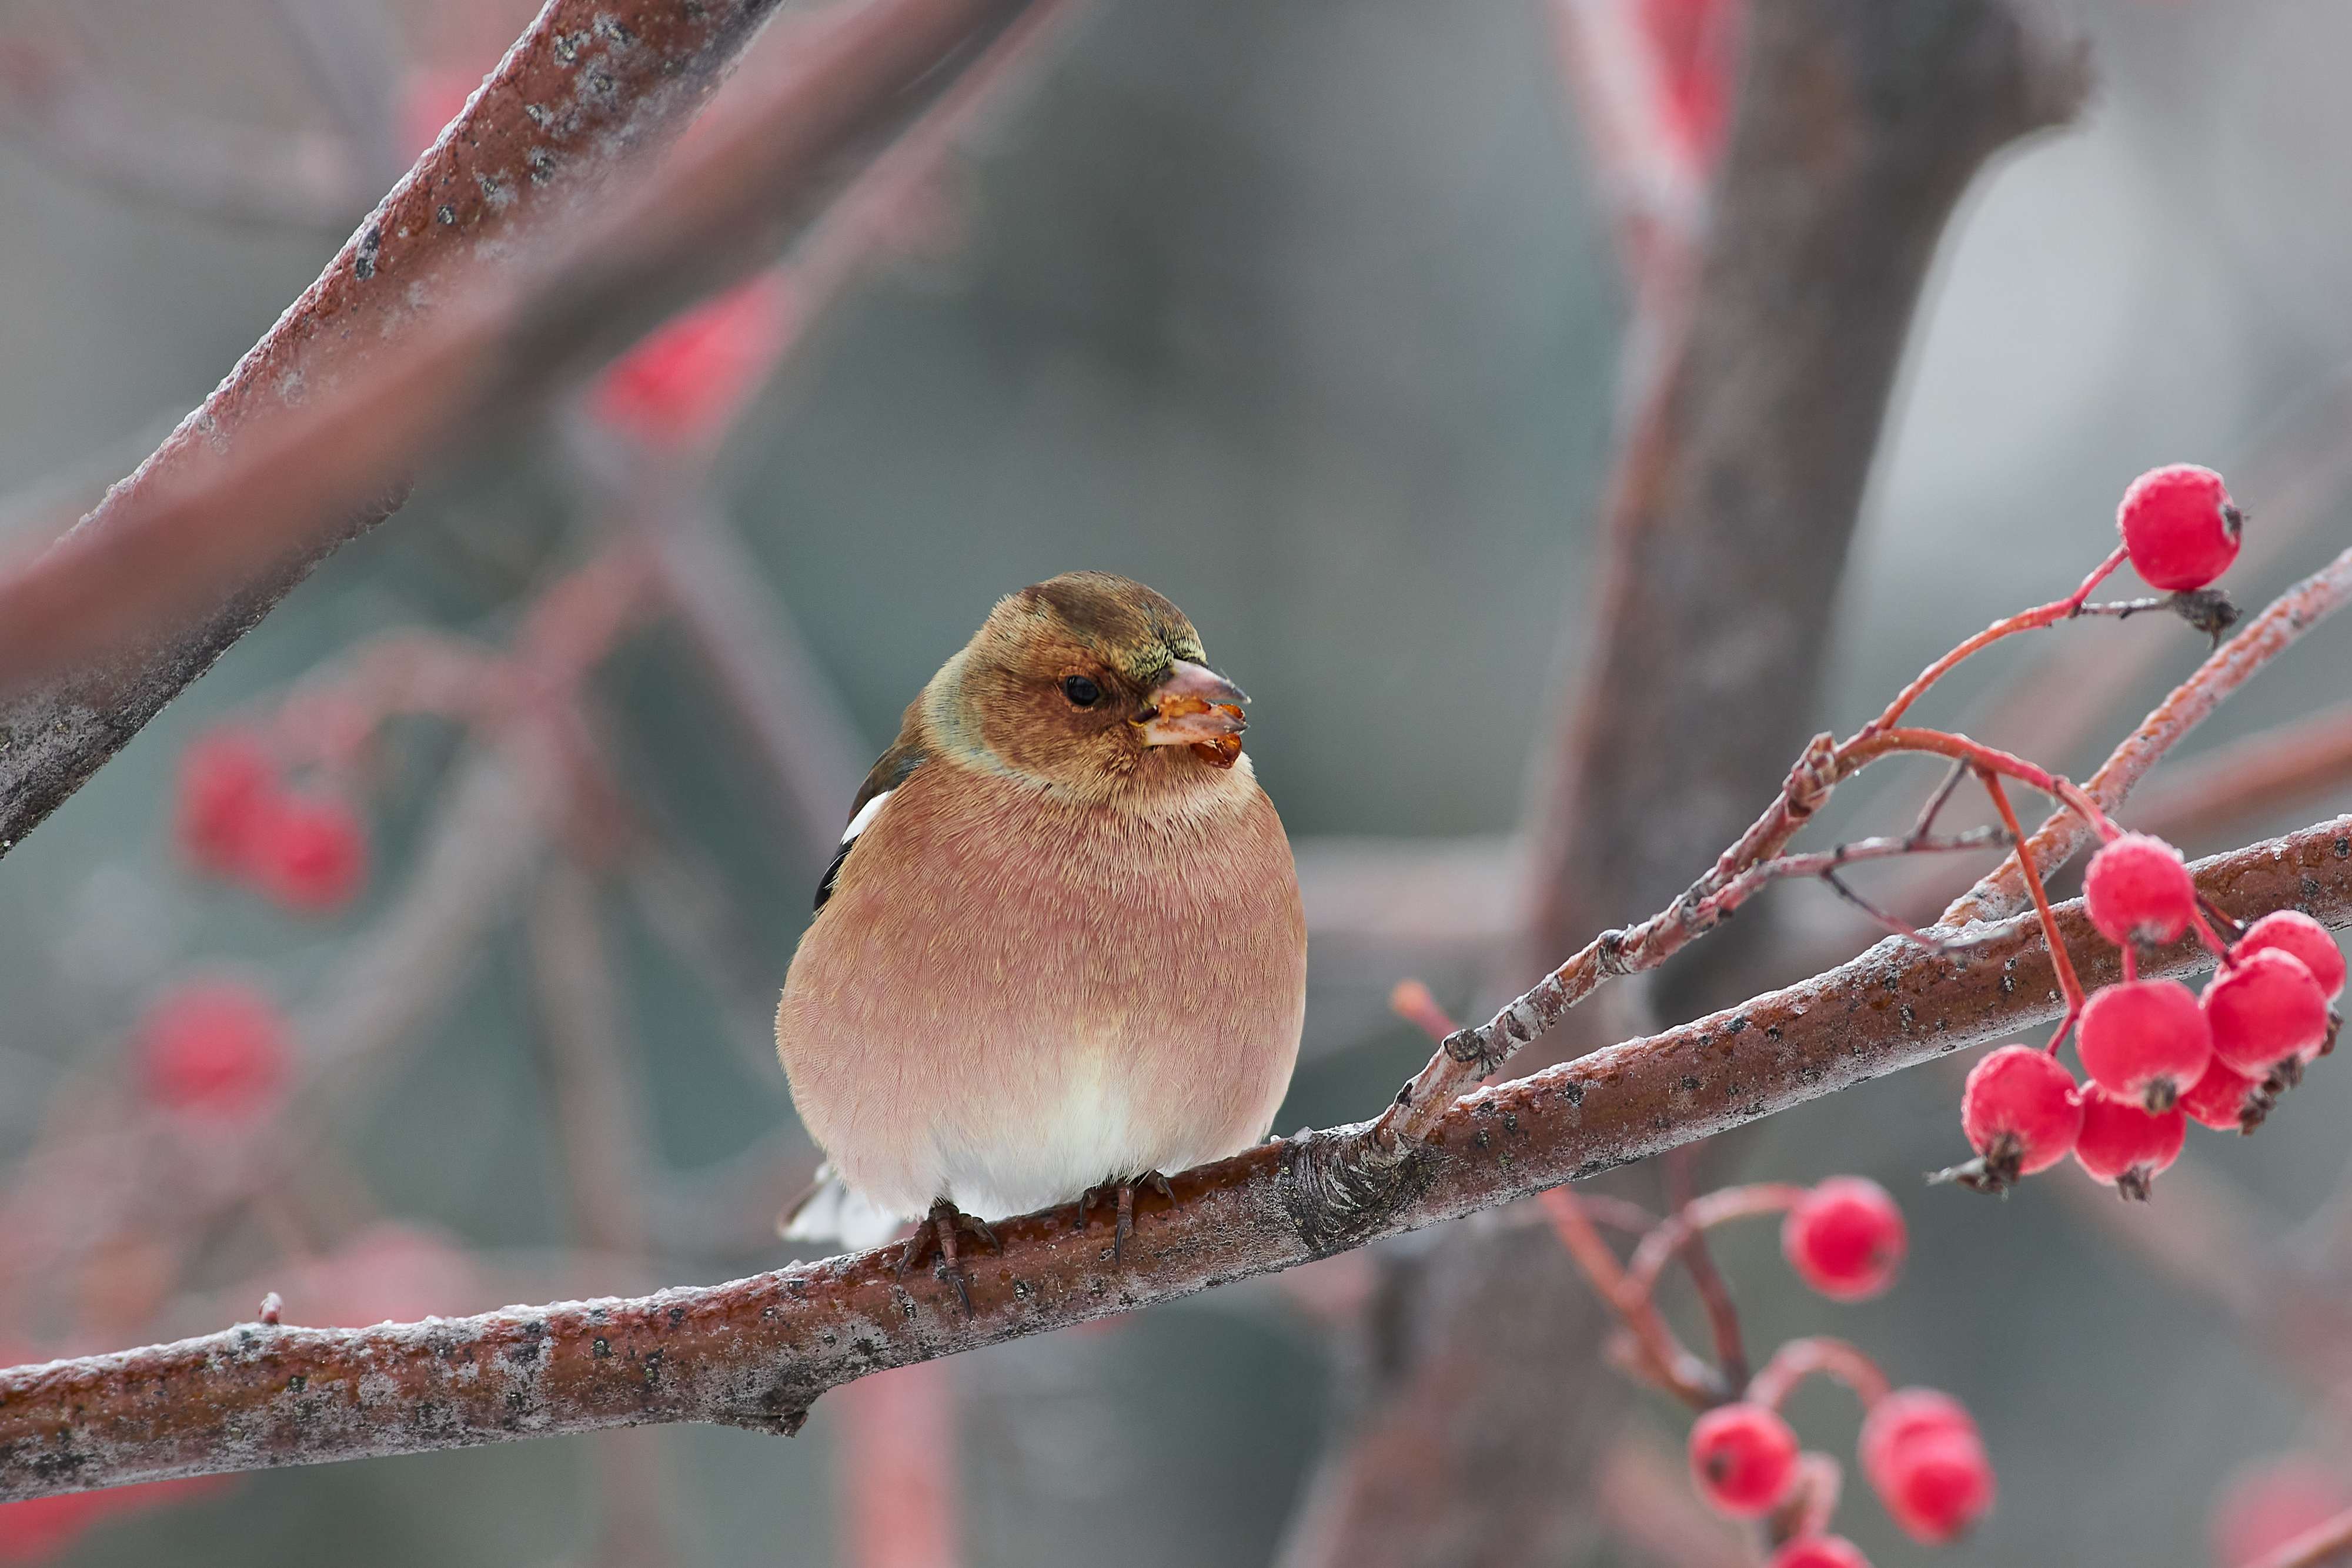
(1082,692)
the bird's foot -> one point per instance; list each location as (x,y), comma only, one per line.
(1123,1192)
(937,1231)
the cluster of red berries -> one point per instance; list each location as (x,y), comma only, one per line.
(1846,1239)
(2157,1055)
(1919,1449)
(214,1050)
(237,819)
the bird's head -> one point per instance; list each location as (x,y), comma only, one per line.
(1091,683)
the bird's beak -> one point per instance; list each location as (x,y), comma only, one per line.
(1194,706)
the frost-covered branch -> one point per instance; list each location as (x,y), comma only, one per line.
(756,1353)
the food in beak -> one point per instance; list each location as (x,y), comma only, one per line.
(1196,708)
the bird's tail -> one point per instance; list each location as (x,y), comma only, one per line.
(831,1211)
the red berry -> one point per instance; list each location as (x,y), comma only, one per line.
(43,1526)
(226,784)
(429,100)
(390,1272)
(1845,1239)
(2021,1112)
(2139,890)
(215,1048)
(683,384)
(1938,1488)
(2224,1098)
(1922,1454)
(2144,1041)
(1744,1457)
(2127,1146)
(1689,41)
(310,854)
(2292,931)
(2272,1501)
(2179,526)
(2266,1008)
(1905,1415)
(1819,1551)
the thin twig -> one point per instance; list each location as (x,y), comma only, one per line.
(2239,779)
(2232,665)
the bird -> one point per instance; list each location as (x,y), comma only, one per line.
(1061,949)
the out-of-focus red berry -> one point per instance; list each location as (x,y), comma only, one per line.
(2222,1098)
(1921,1455)
(1845,1239)
(2144,1041)
(1938,1487)
(429,100)
(2265,1009)
(2179,526)
(2270,1503)
(310,854)
(215,1048)
(685,383)
(1744,1457)
(2021,1112)
(2124,1145)
(391,1272)
(227,783)
(1692,41)
(44,1526)
(1905,1415)
(2292,931)
(1819,1551)
(2139,889)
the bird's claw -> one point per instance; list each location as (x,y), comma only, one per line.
(937,1231)
(1124,1193)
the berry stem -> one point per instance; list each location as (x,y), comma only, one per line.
(2060,959)
(1704,1213)
(1657,1353)
(2032,620)
(1817,1356)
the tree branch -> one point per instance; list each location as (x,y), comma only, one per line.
(756,1353)
(2267,771)
(424,330)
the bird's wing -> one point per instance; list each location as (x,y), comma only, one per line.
(887,774)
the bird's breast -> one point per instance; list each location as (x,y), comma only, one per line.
(1022,996)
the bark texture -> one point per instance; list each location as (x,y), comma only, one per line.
(756,1353)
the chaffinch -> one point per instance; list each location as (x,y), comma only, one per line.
(1061,949)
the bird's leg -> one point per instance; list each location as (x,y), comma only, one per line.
(1123,1192)
(938,1228)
